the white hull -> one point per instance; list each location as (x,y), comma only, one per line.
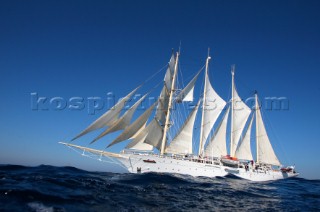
(260,176)
(143,163)
(136,163)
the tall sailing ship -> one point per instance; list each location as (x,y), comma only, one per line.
(152,148)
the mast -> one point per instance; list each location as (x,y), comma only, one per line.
(232,108)
(257,125)
(203,106)
(163,144)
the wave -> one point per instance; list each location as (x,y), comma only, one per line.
(50,188)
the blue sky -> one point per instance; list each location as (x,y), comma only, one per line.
(90,48)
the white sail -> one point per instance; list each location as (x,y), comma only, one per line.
(241,114)
(187,93)
(134,127)
(162,106)
(155,134)
(140,136)
(122,122)
(165,125)
(265,151)
(182,143)
(189,96)
(212,107)
(172,63)
(244,150)
(138,141)
(169,73)
(217,146)
(148,137)
(168,79)
(108,118)
(139,131)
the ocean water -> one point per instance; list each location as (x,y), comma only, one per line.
(49,188)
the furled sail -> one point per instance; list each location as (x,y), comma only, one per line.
(134,127)
(241,114)
(265,151)
(182,143)
(217,146)
(244,150)
(187,93)
(212,107)
(108,118)
(122,122)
